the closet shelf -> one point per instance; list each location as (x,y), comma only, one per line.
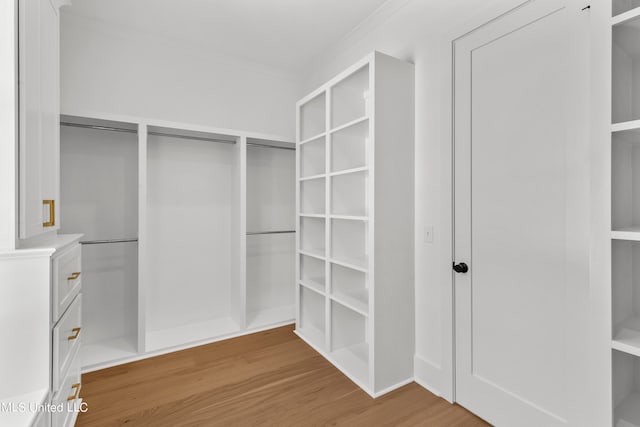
(311,177)
(349,124)
(108,351)
(632,125)
(313,285)
(627,339)
(626,16)
(349,171)
(627,233)
(312,254)
(354,361)
(191,333)
(308,215)
(313,138)
(313,336)
(627,413)
(355,300)
(354,264)
(350,217)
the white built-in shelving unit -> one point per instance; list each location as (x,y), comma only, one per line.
(189,233)
(625,212)
(355,222)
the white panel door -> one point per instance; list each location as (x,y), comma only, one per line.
(520,222)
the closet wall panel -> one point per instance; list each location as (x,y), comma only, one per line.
(189,225)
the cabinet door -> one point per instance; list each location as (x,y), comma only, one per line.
(39,116)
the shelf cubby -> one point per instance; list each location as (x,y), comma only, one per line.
(312,235)
(625,184)
(312,196)
(349,343)
(312,158)
(350,287)
(313,117)
(349,194)
(312,273)
(312,316)
(349,147)
(626,71)
(626,389)
(349,242)
(626,296)
(350,98)
(623,6)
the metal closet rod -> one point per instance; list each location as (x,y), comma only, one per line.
(100,242)
(254,233)
(170,135)
(256,144)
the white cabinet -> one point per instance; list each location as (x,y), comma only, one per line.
(355,222)
(625,212)
(39,88)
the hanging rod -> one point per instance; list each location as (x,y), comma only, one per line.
(196,138)
(97,127)
(100,242)
(256,144)
(255,233)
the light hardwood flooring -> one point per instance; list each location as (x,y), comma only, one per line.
(270,378)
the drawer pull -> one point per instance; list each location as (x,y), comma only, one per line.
(76,388)
(49,213)
(74,275)
(75,335)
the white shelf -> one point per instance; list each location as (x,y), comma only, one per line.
(630,233)
(627,339)
(313,285)
(270,316)
(306,215)
(355,361)
(312,116)
(349,171)
(633,125)
(108,351)
(358,264)
(626,16)
(350,217)
(313,138)
(349,124)
(317,255)
(627,413)
(355,299)
(309,178)
(314,336)
(194,332)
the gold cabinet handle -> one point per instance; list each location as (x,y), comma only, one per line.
(51,204)
(76,332)
(74,275)
(76,388)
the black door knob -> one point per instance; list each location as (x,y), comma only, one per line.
(460,268)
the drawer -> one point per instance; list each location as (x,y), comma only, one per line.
(66,271)
(67,400)
(66,341)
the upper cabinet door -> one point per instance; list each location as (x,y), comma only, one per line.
(39,117)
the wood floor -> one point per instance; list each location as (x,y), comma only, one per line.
(271,378)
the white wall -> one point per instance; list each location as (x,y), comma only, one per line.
(421,32)
(112,70)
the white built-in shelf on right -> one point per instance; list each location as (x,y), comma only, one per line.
(358,264)
(356,300)
(350,98)
(309,178)
(621,8)
(313,285)
(627,233)
(630,126)
(627,341)
(313,118)
(314,254)
(349,171)
(627,413)
(349,346)
(626,71)
(312,317)
(350,217)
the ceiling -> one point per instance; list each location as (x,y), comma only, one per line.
(283,34)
